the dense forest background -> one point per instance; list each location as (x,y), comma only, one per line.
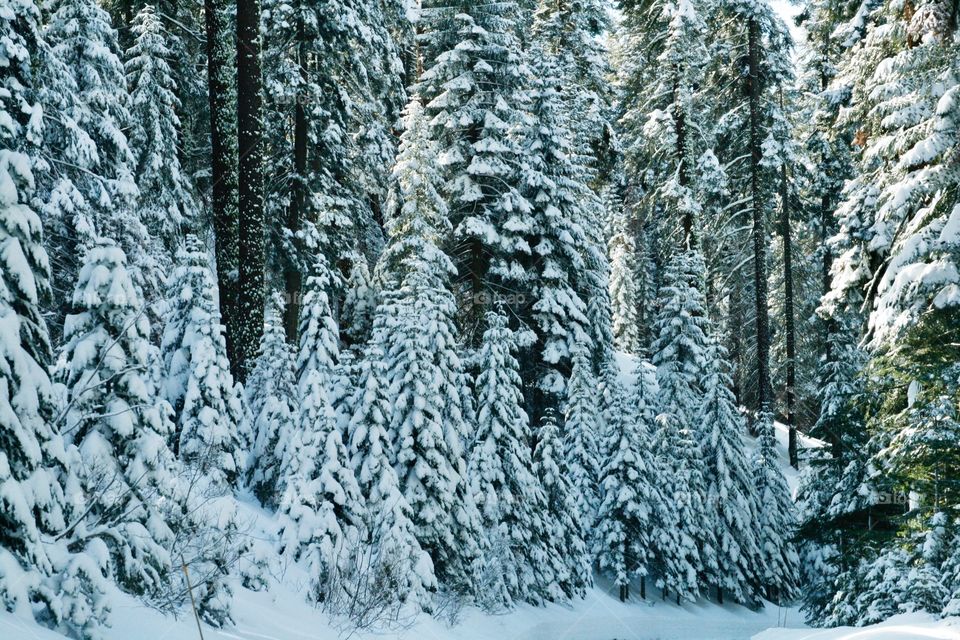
(378,266)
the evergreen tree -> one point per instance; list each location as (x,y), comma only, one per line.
(388,519)
(271,393)
(506,492)
(89,188)
(730,492)
(555,186)
(359,303)
(775,522)
(320,502)
(631,506)
(678,354)
(472,89)
(582,419)
(570,560)
(122,466)
(197,380)
(625,299)
(166,203)
(64,588)
(429,390)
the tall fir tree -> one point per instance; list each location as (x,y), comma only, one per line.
(388,518)
(167,203)
(570,560)
(678,354)
(473,93)
(507,494)
(729,482)
(581,423)
(631,507)
(88,187)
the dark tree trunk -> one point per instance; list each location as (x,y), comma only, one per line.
(789,324)
(719,595)
(250,294)
(826,263)
(223,171)
(624,592)
(759,232)
(643,587)
(680,129)
(293,278)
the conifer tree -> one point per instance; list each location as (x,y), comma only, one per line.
(570,560)
(507,494)
(678,354)
(89,189)
(472,89)
(122,465)
(631,507)
(64,588)
(388,520)
(582,419)
(166,198)
(430,395)
(555,186)
(320,502)
(729,483)
(775,519)
(197,380)
(271,393)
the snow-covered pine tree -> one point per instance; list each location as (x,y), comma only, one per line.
(401,561)
(271,393)
(420,216)
(573,32)
(678,354)
(320,505)
(777,573)
(429,393)
(631,510)
(359,303)
(507,494)
(167,203)
(570,560)
(895,241)
(625,299)
(88,187)
(729,481)
(581,430)
(125,475)
(473,95)
(64,589)
(197,381)
(555,186)
(328,128)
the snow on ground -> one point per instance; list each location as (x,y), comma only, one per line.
(282,615)
(911,626)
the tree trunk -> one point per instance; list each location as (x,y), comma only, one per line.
(680,129)
(624,592)
(250,298)
(759,232)
(223,171)
(789,324)
(643,587)
(719,594)
(292,276)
